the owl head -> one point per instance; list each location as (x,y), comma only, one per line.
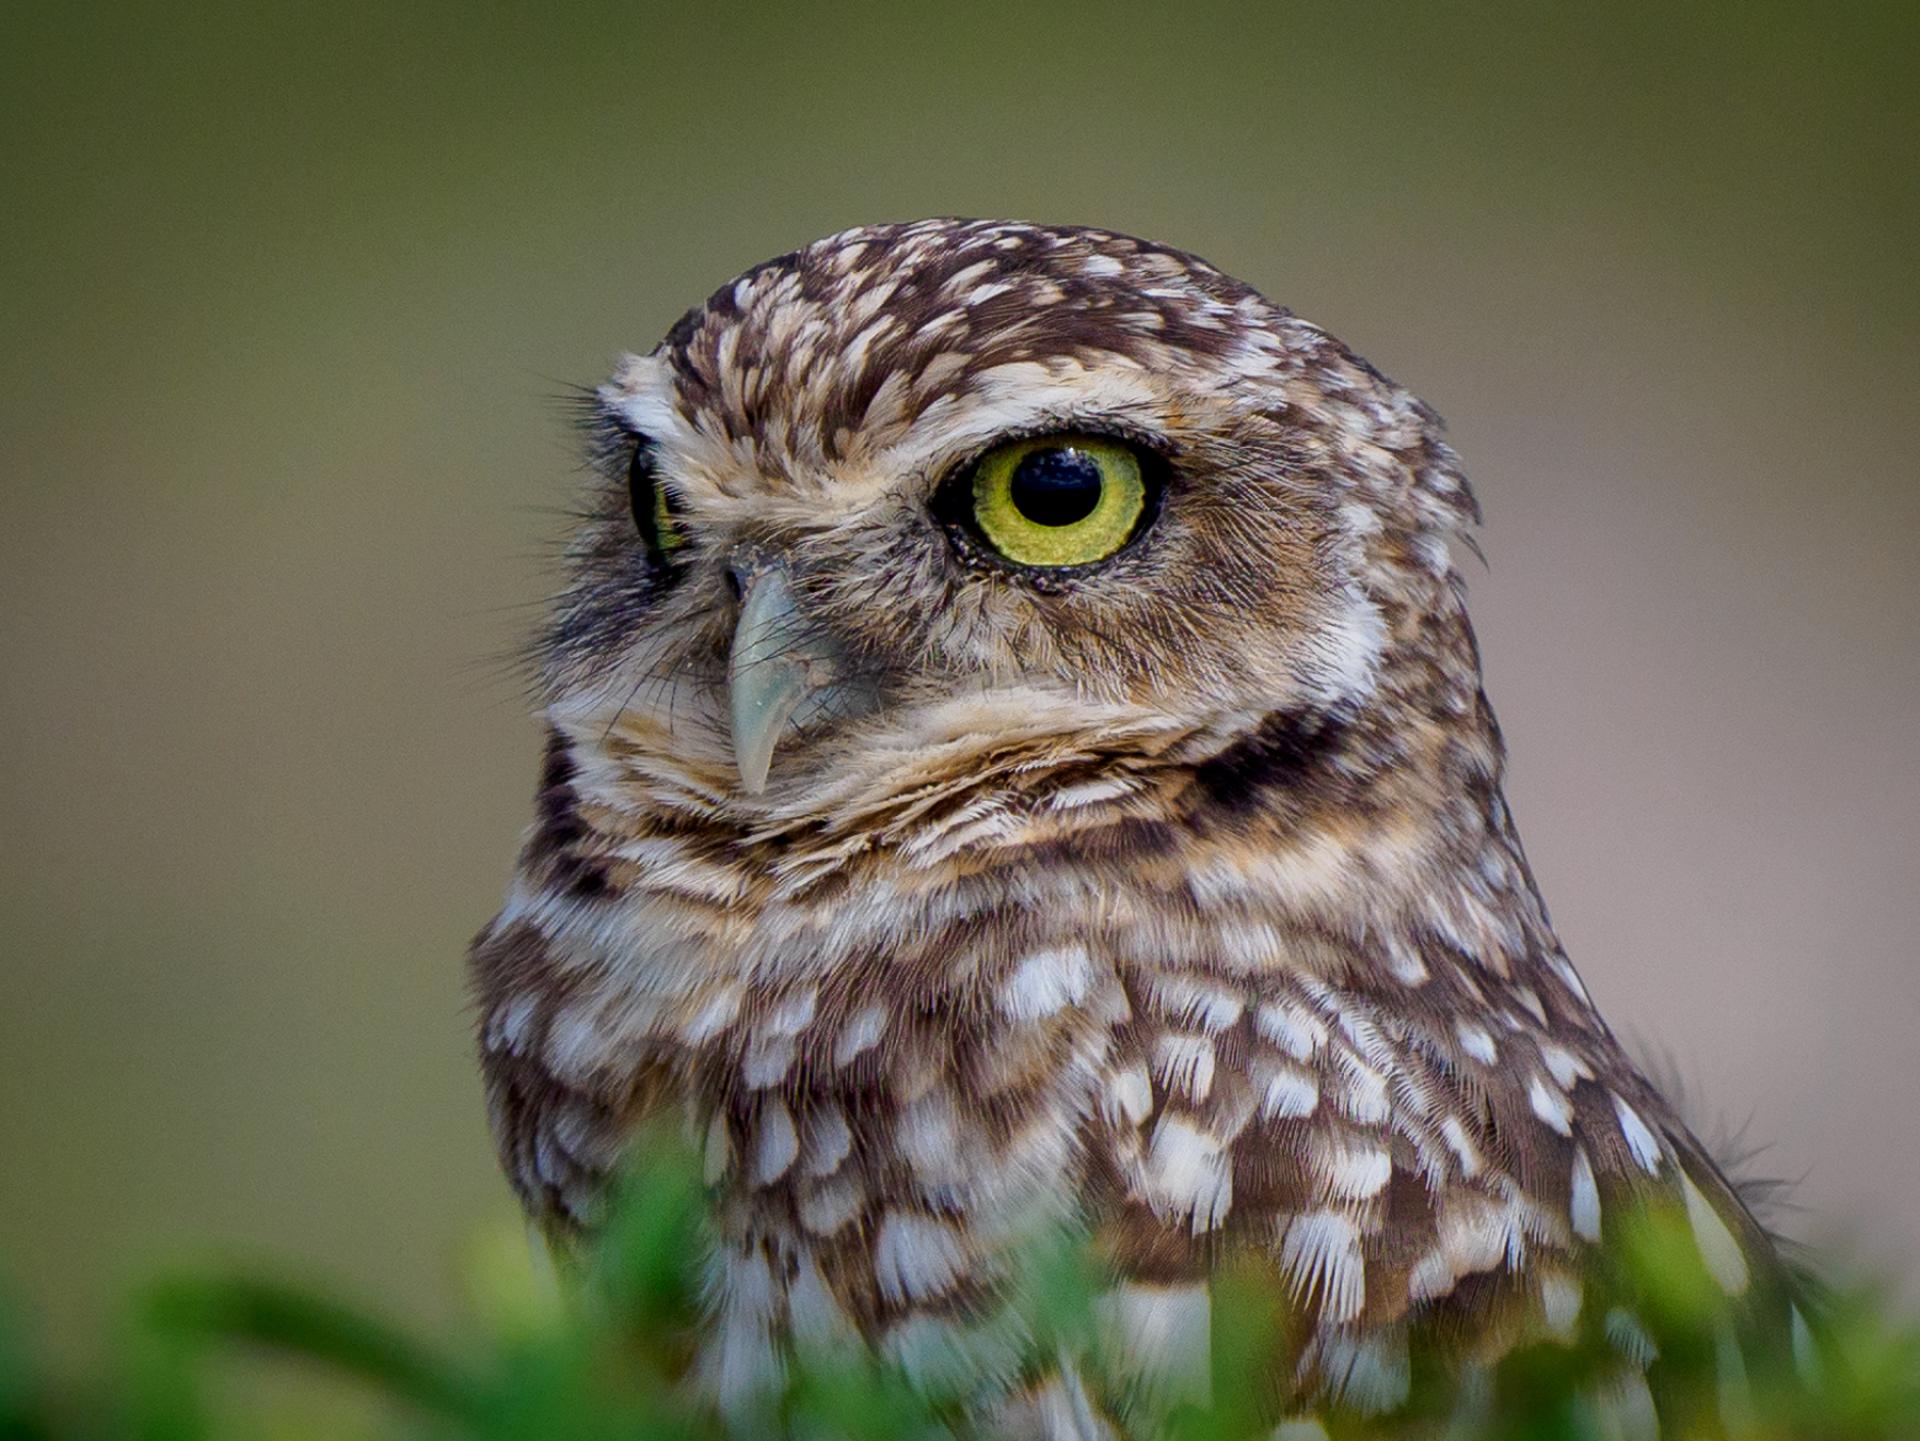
(995,500)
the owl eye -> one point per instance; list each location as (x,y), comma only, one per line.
(656,515)
(1059,500)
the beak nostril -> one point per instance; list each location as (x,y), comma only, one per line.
(735,588)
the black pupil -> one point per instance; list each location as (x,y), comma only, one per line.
(1055,487)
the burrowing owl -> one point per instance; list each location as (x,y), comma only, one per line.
(1016,749)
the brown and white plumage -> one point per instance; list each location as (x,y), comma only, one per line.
(1173,892)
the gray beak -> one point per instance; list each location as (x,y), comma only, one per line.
(776,664)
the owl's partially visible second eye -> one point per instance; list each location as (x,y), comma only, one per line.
(1058,500)
(655,514)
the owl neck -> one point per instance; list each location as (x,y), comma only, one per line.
(1383,825)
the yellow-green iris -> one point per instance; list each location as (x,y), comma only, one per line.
(666,524)
(654,514)
(1058,499)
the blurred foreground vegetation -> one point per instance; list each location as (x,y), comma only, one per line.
(211,1356)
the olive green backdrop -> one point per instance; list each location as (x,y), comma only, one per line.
(286,294)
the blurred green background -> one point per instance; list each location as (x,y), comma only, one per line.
(289,292)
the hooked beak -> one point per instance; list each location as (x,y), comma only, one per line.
(777,663)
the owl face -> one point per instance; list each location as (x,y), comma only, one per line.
(977,486)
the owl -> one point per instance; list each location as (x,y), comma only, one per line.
(1016,755)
